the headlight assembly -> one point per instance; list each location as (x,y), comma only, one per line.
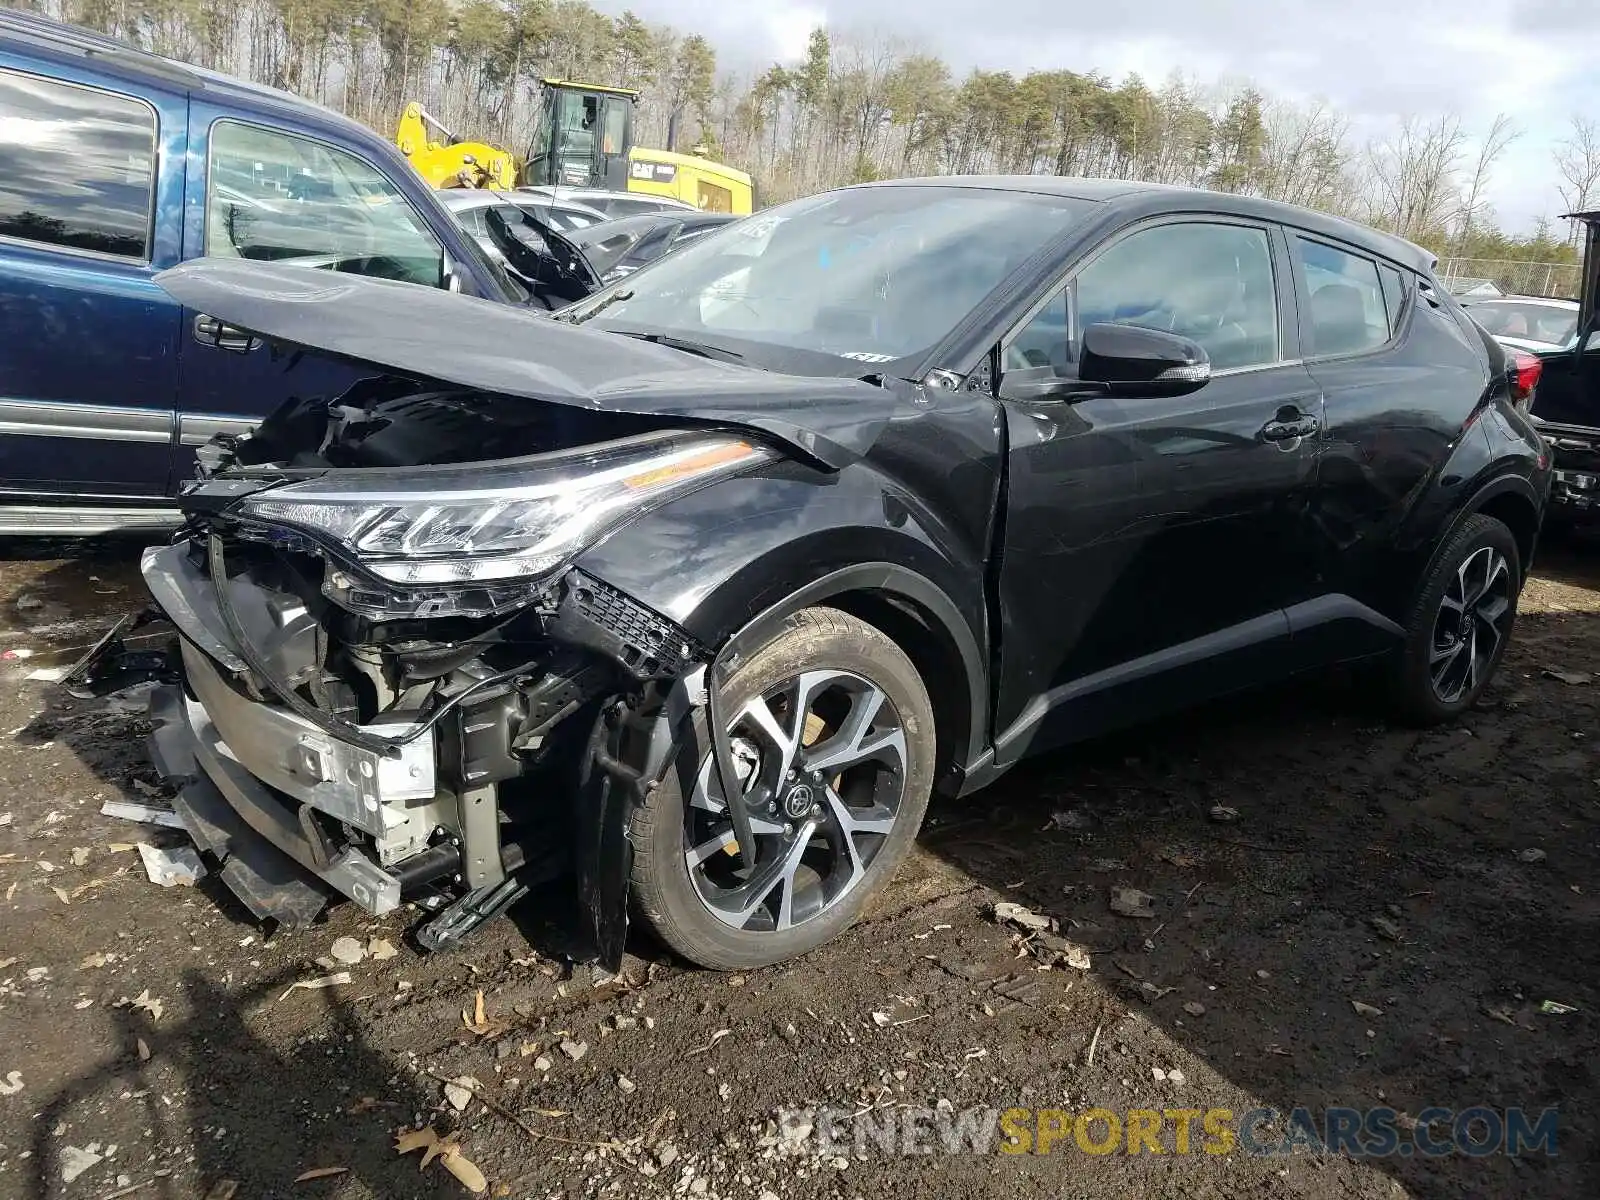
(514,520)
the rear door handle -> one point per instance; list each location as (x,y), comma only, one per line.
(1290,424)
(209,331)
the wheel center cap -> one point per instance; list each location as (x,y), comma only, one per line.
(798,802)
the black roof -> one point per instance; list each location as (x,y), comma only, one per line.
(1140,198)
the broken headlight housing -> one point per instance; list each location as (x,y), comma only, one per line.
(486,528)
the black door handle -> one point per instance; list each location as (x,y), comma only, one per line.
(1285,427)
(209,331)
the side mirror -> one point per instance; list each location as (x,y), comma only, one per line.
(1128,360)
(450,278)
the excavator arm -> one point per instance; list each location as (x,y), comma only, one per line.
(447,162)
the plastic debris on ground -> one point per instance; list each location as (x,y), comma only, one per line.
(176,867)
(323,981)
(1131,902)
(1016,914)
(75,1160)
(145,814)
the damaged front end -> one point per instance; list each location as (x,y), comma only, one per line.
(395,685)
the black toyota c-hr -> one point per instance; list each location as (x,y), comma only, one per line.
(693,592)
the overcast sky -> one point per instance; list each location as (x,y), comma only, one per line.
(1377,60)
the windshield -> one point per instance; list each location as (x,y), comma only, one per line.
(1551,323)
(871,274)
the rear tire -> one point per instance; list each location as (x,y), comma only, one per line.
(1459,625)
(833,818)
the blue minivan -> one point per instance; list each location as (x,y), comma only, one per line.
(116,164)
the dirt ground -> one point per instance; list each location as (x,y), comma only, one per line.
(1446,881)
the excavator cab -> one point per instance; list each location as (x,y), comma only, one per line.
(583,137)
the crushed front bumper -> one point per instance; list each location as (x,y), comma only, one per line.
(247,771)
(295,816)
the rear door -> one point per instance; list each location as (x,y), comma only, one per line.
(267,194)
(1400,376)
(1151,545)
(91,188)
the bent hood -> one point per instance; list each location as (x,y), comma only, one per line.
(432,334)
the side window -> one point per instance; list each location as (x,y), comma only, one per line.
(1045,341)
(279,198)
(1394,295)
(77,166)
(1348,313)
(1208,282)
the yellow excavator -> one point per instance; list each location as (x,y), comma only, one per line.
(584,138)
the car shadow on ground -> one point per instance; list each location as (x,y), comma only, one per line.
(221,1103)
(1441,879)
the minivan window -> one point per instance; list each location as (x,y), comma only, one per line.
(279,198)
(1347,308)
(77,166)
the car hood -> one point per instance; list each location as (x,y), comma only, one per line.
(432,334)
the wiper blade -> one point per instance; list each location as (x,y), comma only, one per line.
(687,345)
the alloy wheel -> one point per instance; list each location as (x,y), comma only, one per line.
(821,763)
(1470,627)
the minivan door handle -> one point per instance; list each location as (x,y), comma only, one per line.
(209,331)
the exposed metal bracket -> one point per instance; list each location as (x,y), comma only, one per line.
(480,837)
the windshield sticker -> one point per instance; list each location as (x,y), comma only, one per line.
(868,356)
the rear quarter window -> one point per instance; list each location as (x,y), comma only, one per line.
(1394,295)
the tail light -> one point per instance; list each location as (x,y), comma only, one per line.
(1523,371)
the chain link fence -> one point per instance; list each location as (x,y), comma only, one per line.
(1512,278)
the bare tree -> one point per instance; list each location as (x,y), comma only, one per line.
(1578,163)
(1413,174)
(1306,157)
(1501,134)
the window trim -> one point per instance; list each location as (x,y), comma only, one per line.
(1296,234)
(156,160)
(211,131)
(1407,290)
(1287,315)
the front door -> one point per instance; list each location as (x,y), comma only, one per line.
(1151,545)
(273,196)
(91,184)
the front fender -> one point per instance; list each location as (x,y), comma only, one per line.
(729,562)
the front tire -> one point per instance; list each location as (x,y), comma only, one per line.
(833,740)
(1460,623)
